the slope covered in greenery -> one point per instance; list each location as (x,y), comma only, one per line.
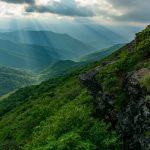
(99,109)
(54,115)
(12,79)
(60,68)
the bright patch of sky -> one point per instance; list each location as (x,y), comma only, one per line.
(102,11)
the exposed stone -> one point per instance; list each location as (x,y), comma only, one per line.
(89,81)
(133,120)
(140,74)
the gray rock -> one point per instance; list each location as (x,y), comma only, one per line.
(131,122)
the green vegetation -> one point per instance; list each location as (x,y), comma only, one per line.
(113,76)
(147,101)
(59,114)
(54,115)
(146,82)
(60,68)
(12,79)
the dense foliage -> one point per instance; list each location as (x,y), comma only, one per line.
(12,79)
(54,115)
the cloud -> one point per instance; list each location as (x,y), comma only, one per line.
(132,10)
(19,1)
(105,10)
(62,7)
(8,9)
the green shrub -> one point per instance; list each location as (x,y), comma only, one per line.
(143,49)
(146,82)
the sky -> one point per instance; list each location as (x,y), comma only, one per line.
(130,12)
(123,16)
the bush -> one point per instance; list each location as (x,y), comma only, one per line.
(143,49)
(146,82)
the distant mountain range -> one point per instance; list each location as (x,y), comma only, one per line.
(45,53)
(101,54)
(38,49)
(99,36)
(12,78)
(48,38)
(26,56)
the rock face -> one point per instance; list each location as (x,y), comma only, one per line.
(89,81)
(133,121)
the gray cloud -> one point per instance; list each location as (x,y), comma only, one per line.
(133,10)
(64,7)
(19,1)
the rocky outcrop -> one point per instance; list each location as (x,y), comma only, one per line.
(89,81)
(133,121)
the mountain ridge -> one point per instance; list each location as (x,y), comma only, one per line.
(44,38)
(101,53)
(38,49)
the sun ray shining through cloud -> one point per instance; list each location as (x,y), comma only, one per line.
(105,10)
(63,16)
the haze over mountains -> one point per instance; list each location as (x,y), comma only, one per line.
(101,54)
(99,36)
(49,54)
(37,49)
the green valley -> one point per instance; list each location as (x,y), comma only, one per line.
(12,79)
(38,63)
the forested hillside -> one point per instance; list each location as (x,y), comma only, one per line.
(105,105)
(12,79)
